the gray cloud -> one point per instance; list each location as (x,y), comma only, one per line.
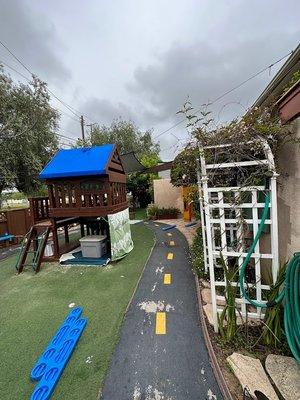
(34,39)
(104,111)
(203,72)
(139,61)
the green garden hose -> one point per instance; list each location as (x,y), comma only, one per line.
(290,293)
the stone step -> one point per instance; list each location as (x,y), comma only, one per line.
(285,374)
(251,374)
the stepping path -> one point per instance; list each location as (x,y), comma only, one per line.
(161,354)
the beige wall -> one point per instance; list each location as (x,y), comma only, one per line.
(289,196)
(167,195)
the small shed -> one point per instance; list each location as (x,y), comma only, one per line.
(86,186)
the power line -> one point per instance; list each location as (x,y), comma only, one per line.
(28,80)
(66,137)
(227,92)
(70,108)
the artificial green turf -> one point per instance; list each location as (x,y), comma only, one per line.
(140,213)
(33,306)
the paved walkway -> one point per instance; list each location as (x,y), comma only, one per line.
(161,354)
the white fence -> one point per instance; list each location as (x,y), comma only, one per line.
(230,219)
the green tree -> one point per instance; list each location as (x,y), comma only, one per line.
(126,135)
(27,133)
(128,138)
(183,171)
(141,185)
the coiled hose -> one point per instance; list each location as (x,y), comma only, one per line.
(290,294)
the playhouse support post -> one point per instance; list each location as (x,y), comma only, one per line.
(67,240)
(82,229)
(55,238)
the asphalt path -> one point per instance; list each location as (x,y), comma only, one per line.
(161,354)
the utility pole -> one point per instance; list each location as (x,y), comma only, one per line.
(82,127)
(91,127)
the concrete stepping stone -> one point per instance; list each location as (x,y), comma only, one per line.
(251,374)
(285,373)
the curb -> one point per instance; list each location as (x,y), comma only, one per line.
(216,368)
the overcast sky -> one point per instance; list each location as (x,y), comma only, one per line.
(141,60)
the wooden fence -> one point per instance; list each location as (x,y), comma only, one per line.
(15,222)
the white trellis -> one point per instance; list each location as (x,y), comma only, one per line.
(222,211)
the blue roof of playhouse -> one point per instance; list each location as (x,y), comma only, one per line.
(78,162)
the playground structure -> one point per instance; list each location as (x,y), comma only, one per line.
(230,216)
(84,186)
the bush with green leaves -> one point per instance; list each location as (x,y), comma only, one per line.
(153,211)
(197,255)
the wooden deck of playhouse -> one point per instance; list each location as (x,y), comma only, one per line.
(79,200)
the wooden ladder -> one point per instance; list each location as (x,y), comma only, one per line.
(34,243)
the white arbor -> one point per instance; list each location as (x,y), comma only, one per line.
(230,217)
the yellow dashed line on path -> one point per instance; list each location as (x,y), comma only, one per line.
(160,328)
(169,234)
(156,224)
(172,243)
(167,279)
(170,256)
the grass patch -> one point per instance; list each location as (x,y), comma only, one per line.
(140,213)
(33,306)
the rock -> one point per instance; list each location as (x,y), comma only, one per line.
(239,320)
(205,283)
(221,302)
(209,313)
(285,373)
(249,371)
(206,295)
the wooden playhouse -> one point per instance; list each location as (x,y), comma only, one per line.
(84,184)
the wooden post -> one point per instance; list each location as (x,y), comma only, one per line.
(82,229)
(55,238)
(67,240)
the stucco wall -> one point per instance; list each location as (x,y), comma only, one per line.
(167,195)
(289,196)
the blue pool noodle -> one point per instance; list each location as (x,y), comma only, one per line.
(190,224)
(167,228)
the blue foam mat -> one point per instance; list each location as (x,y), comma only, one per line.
(52,362)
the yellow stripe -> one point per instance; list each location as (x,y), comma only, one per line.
(167,279)
(160,328)
(156,224)
(169,234)
(170,256)
(172,243)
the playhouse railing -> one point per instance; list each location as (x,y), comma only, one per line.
(86,198)
(39,207)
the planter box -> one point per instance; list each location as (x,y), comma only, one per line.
(167,216)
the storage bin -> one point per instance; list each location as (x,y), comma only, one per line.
(93,246)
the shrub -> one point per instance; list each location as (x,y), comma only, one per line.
(155,212)
(152,210)
(197,255)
